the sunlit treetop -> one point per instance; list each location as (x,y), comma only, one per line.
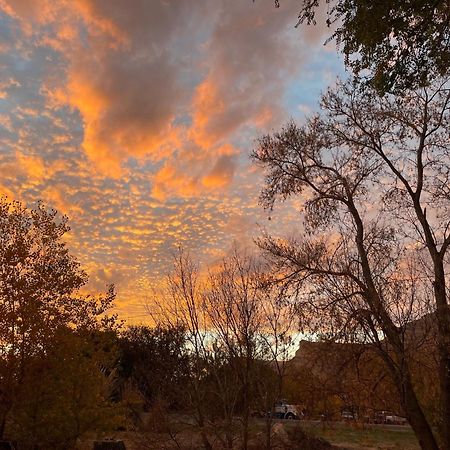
(394,44)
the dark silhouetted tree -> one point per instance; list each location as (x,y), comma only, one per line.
(65,391)
(156,361)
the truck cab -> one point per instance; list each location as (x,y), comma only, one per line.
(282,409)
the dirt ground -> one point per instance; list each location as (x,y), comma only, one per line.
(283,439)
(286,435)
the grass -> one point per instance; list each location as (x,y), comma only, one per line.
(354,436)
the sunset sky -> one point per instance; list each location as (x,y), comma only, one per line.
(136,118)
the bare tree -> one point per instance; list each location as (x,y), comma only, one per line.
(180,307)
(279,325)
(255,327)
(239,335)
(374,177)
(234,309)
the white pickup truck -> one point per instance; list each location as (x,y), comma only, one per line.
(284,410)
(388,418)
(392,419)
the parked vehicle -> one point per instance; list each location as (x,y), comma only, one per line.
(388,418)
(348,414)
(392,419)
(379,417)
(284,410)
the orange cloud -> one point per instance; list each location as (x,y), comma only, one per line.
(61,16)
(6,192)
(138,116)
(207,103)
(113,132)
(57,197)
(123,77)
(221,173)
(5,85)
(127,106)
(169,181)
(33,166)
(99,24)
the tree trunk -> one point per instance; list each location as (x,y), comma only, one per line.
(443,325)
(229,438)
(442,319)
(246,415)
(269,421)
(2,425)
(201,420)
(417,419)
(245,421)
(444,378)
(411,405)
(206,444)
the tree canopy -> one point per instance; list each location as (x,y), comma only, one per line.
(45,319)
(397,44)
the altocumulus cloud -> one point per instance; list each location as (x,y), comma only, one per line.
(136,119)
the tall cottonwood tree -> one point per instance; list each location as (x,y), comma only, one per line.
(373,174)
